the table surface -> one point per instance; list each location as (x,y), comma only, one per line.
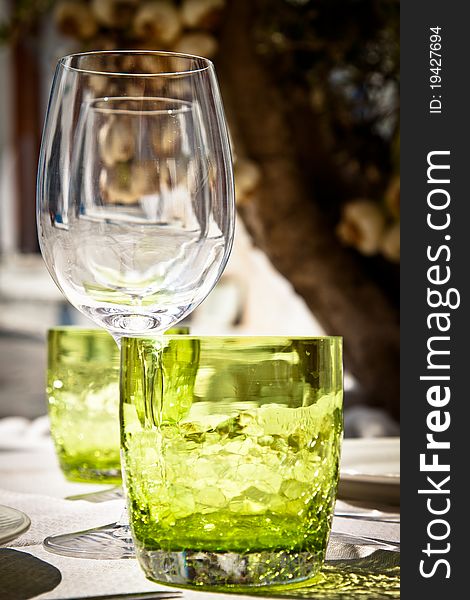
(30,480)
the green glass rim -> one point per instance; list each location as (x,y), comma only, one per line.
(247,337)
(78,330)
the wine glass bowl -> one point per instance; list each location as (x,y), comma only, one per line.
(135,187)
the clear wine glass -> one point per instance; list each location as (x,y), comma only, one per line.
(135,199)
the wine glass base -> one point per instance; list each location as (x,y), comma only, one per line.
(114,542)
(110,493)
(110,542)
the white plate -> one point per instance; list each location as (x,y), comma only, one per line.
(12,523)
(370,470)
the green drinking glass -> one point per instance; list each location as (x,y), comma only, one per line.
(230,454)
(83,402)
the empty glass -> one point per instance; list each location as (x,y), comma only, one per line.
(135,187)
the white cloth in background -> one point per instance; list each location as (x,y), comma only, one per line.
(17,433)
(253,284)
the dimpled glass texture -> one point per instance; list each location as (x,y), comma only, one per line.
(230,451)
(83,401)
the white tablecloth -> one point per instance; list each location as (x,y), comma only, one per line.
(30,480)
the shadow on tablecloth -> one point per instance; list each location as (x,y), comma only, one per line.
(25,576)
(374,577)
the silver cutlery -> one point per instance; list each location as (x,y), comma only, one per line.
(369,515)
(361,540)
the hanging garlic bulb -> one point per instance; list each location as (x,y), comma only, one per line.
(114,13)
(116,141)
(200,44)
(362,226)
(98,84)
(247,179)
(75,18)
(201,14)
(158,21)
(115,185)
(390,244)
(128,183)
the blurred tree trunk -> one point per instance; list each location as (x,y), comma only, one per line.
(280,133)
(27,132)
